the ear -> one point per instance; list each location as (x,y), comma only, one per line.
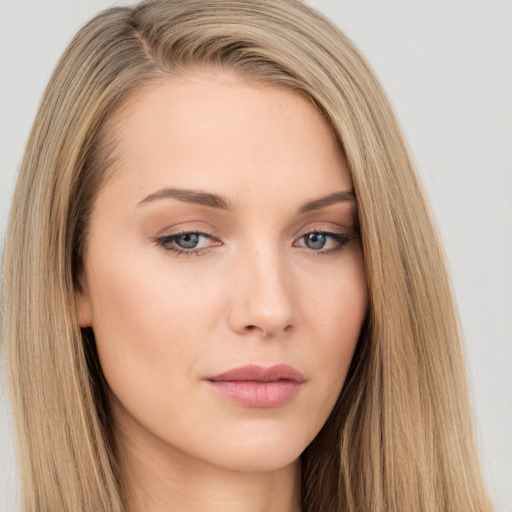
(83,304)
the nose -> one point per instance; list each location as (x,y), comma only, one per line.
(264,301)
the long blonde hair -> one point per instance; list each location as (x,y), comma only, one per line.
(400,436)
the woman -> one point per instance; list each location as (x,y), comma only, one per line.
(240,300)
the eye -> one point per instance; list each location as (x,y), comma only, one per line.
(188,240)
(187,243)
(315,241)
(323,241)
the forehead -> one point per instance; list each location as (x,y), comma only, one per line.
(213,130)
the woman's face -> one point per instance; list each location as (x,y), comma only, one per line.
(225,239)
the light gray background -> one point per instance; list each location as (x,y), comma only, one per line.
(447,66)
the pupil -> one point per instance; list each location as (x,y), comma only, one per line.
(188,241)
(315,240)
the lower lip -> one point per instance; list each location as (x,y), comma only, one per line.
(257,394)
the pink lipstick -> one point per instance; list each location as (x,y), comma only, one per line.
(258,386)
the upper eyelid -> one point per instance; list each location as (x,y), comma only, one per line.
(212,234)
(166,233)
(320,227)
(177,234)
(335,235)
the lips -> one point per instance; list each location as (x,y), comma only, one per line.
(258,386)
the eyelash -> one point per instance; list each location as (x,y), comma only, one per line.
(340,240)
(166,241)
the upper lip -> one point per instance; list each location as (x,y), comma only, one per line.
(256,373)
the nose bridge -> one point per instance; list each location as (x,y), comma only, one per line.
(264,299)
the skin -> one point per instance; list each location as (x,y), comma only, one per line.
(254,291)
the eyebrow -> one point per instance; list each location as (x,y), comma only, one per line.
(190,196)
(217,201)
(337,197)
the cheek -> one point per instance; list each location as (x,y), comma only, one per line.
(337,304)
(336,313)
(148,324)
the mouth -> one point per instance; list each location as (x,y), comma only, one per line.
(258,386)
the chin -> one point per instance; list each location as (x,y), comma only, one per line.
(263,451)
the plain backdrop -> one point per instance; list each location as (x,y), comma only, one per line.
(447,67)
